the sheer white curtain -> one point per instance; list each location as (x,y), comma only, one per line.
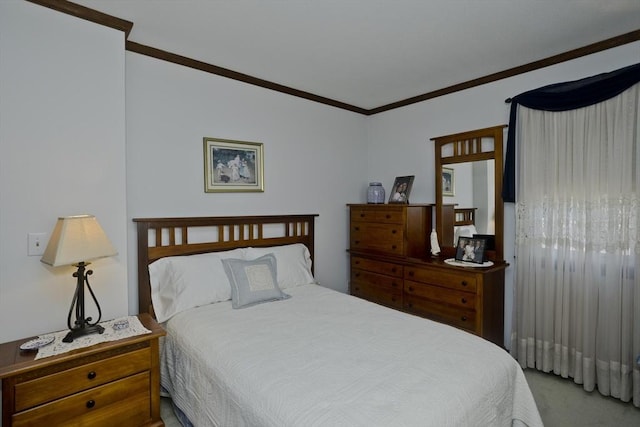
(577,288)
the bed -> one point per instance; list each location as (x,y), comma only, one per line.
(463,223)
(309,356)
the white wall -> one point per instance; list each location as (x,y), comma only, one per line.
(314,156)
(399,140)
(62,152)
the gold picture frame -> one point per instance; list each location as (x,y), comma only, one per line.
(233,166)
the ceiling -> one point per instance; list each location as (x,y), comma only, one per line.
(371,53)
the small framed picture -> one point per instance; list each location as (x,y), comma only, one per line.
(233,166)
(471,250)
(401,189)
(448,182)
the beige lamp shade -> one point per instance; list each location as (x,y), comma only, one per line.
(76,239)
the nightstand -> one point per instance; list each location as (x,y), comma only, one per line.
(108,384)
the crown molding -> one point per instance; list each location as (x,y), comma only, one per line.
(131,46)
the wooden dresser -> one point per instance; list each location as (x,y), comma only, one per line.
(108,384)
(391,265)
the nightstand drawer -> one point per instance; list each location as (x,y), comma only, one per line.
(44,389)
(122,402)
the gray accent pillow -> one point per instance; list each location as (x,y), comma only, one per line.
(253,282)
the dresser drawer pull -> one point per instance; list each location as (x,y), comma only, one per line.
(362,215)
(91,403)
(394,231)
(357,262)
(394,285)
(393,247)
(393,270)
(411,273)
(464,300)
(357,242)
(357,228)
(410,288)
(387,216)
(357,274)
(463,318)
(464,283)
(91,375)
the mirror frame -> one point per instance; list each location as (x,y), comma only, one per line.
(467,147)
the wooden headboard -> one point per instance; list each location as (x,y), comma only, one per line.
(464,216)
(163,237)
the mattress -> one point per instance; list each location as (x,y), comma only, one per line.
(323,358)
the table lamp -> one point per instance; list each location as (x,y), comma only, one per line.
(74,241)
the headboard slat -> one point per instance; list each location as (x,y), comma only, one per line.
(297,229)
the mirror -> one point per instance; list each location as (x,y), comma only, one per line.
(468,170)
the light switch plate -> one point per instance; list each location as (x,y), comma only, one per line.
(37,242)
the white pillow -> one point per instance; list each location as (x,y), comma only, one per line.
(293,263)
(182,282)
(463,231)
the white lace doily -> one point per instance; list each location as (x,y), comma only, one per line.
(110,334)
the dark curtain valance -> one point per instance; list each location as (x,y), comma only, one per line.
(563,97)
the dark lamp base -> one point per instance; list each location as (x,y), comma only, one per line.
(78,332)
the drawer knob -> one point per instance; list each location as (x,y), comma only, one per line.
(357,242)
(357,274)
(357,263)
(362,215)
(387,216)
(394,285)
(410,288)
(464,283)
(463,318)
(91,403)
(393,270)
(393,247)
(394,231)
(411,273)
(357,228)
(91,375)
(464,300)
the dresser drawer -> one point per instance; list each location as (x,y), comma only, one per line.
(465,300)
(387,238)
(46,388)
(465,319)
(389,216)
(377,288)
(376,266)
(122,402)
(454,279)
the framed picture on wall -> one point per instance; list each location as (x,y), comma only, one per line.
(233,166)
(401,189)
(448,182)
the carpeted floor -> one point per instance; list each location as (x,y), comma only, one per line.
(561,403)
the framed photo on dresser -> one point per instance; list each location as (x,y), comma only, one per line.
(471,249)
(401,189)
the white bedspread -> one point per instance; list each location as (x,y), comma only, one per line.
(323,358)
